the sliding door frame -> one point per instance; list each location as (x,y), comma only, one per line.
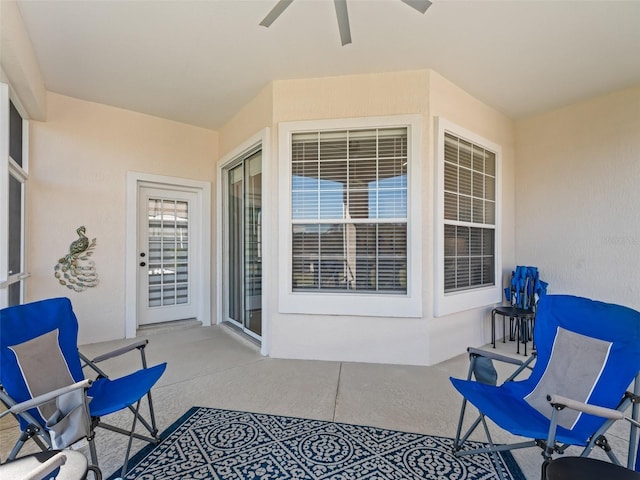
(260,141)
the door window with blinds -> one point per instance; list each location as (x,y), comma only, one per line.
(349,211)
(168,245)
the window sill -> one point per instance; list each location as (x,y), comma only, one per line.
(368,305)
(448,303)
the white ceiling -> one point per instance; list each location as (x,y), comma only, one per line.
(199,62)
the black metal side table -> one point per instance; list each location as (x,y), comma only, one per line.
(524,322)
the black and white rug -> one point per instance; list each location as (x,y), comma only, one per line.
(209,443)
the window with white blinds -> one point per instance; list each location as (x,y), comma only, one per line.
(469,214)
(349,211)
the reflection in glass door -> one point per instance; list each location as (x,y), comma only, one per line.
(168,246)
(244,244)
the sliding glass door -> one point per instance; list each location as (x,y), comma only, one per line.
(243,244)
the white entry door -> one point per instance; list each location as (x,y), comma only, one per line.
(167,240)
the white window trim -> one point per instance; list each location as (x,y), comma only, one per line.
(453,302)
(9,167)
(4,197)
(332,303)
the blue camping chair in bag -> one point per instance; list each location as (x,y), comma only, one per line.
(522,295)
(39,354)
(587,351)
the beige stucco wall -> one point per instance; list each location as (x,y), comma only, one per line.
(79,160)
(378,339)
(19,66)
(253,117)
(351,96)
(578,196)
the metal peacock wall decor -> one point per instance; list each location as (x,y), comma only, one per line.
(75,270)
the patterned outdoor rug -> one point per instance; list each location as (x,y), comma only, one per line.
(208,443)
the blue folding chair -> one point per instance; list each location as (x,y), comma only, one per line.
(39,354)
(587,351)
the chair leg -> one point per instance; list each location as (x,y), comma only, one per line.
(493,328)
(154,431)
(504,330)
(93,453)
(527,329)
(97,474)
(494,454)
(133,428)
(533,338)
(512,329)
(632,456)
(456,442)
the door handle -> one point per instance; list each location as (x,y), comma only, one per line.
(142,264)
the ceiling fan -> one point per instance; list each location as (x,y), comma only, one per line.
(341,12)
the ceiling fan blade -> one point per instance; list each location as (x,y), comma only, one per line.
(275,12)
(419,5)
(343,21)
